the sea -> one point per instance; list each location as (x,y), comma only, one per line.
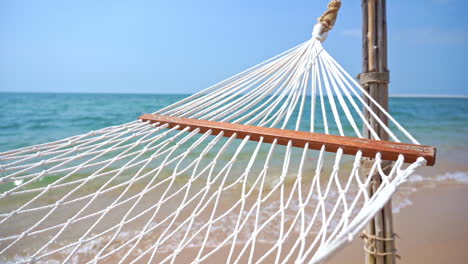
(34,118)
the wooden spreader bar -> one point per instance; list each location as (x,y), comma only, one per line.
(350,145)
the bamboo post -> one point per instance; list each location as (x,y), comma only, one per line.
(379,232)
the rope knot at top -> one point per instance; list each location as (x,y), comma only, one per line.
(326,21)
(318,33)
(328,18)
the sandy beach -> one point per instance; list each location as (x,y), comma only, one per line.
(434,229)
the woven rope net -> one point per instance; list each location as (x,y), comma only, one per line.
(141,192)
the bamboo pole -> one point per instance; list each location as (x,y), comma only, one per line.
(387,210)
(375,60)
(370,229)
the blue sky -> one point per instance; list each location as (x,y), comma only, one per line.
(183,46)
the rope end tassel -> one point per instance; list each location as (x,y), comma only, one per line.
(328,18)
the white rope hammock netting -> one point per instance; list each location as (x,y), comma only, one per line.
(141,192)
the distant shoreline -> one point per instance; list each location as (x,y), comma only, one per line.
(188,94)
(427,96)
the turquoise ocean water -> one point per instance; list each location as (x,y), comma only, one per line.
(34,118)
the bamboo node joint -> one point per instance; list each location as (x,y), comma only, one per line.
(367,78)
(371,248)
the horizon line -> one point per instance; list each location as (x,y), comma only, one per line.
(162,93)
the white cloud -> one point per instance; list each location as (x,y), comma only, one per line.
(432,36)
(444,1)
(421,36)
(352,32)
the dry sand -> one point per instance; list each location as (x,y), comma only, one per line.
(434,229)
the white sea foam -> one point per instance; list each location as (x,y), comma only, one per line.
(400,205)
(402,197)
(457,177)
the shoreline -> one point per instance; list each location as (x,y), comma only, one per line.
(435,218)
(438,96)
(433,229)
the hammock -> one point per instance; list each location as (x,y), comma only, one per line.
(262,167)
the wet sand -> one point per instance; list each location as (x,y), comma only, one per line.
(434,229)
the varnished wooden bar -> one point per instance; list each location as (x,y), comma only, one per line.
(350,145)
